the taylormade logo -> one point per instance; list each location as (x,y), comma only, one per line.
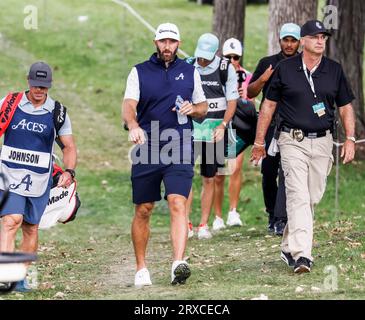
(166,30)
(55,199)
(5,114)
(211,83)
(61,116)
(30,126)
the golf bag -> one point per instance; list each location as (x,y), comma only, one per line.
(244,123)
(63,204)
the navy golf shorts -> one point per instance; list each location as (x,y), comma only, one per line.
(147,178)
(32,208)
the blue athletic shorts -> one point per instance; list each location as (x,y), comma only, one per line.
(31,208)
(147,178)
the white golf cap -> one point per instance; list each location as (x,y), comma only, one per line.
(232,46)
(167,31)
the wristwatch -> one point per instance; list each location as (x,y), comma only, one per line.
(224,124)
(352,139)
(71,172)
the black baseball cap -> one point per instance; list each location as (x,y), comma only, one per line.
(313,27)
(40,75)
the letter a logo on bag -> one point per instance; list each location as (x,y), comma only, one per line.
(26,180)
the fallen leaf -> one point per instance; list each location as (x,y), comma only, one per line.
(46,285)
(59,295)
(299,289)
(354,244)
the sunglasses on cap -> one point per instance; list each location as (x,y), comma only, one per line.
(235,57)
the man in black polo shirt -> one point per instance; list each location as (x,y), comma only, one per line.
(304,89)
(274,194)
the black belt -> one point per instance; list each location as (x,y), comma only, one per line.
(298,133)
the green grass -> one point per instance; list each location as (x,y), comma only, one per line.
(92,257)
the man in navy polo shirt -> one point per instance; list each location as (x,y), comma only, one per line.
(273,191)
(164,144)
(304,89)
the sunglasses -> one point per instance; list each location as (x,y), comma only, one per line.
(235,57)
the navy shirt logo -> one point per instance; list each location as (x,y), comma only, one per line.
(181,76)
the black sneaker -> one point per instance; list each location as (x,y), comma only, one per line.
(270,226)
(302,265)
(6,287)
(180,273)
(287,258)
(279,227)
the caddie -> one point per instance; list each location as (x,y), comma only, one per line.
(28,124)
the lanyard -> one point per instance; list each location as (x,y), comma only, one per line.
(309,77)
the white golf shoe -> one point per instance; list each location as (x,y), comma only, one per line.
(234,218)
(203,232)
(218,224)
(142,278)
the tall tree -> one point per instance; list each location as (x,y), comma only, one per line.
(229,19)
(347,47)
(283,11)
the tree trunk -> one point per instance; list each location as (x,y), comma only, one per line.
(229,19)
(347,47)
(284,11)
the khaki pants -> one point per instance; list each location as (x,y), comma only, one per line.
(306,165)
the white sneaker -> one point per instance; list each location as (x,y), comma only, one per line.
(234,218)
(142,278)
(190,230)
(180,271)
(218,224)
(203,232)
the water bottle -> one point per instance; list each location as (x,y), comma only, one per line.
(181,118)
